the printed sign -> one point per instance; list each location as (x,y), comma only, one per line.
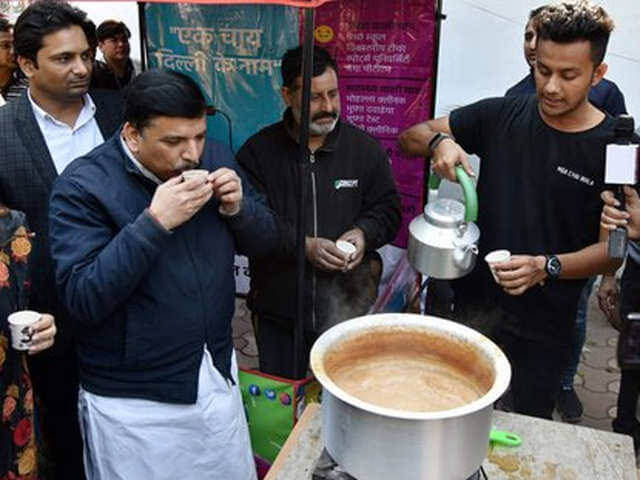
(385,51)
(234,53)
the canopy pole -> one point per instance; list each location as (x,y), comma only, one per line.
(142,25)
(300,366)
(439,18)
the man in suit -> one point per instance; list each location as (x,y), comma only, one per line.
(55,121)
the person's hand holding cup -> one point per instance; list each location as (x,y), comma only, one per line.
(227,188)
(180,198)
(350,239)
(348,249)
(32,331)
(494,258)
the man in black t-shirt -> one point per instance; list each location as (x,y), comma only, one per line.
(539,195)
(607,97)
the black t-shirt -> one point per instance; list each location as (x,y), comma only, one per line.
(539,193)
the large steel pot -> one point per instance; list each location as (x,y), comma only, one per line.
(376,443)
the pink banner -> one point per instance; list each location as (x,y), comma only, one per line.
(385,52)
(291,3)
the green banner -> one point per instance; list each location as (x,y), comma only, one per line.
(234,53)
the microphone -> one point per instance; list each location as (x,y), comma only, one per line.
(621,169)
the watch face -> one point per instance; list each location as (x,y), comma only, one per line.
(553,266)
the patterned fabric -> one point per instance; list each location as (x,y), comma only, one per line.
(18,445)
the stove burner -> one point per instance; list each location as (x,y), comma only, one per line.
(327,469)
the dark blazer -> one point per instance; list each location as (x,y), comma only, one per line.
(27,173)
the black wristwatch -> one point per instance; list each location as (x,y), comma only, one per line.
(553,267)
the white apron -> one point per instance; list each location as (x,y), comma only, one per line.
(134,439)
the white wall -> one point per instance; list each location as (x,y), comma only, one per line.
(480,46)
(481,50)
(126,12)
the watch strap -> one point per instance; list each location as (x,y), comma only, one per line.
(553,273)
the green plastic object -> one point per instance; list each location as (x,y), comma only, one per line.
(434,181)
(506,439)
(470,195)
(468,189)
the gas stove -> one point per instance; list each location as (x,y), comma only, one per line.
(327,469)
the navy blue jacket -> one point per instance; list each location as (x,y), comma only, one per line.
(605,95)
(144,302)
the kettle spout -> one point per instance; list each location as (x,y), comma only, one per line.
(464,256)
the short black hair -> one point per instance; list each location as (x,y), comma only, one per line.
(568,22)
(162,93)
(292,64)
(534,13)
(43,18)
(5,25)
(112,28)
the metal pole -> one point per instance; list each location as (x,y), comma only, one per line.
(439,17)
(142,25)
(300,366)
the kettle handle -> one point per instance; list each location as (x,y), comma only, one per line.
(470,195)
(468,190)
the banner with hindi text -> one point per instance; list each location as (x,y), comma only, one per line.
(234,53)
(385,53)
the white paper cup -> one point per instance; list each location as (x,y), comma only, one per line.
(195,173)
(496,257)
(20,326)
(347,248)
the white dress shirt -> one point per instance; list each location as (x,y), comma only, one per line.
(67,143)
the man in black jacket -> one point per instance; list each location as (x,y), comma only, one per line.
(352,198)
(41,132)
(117,70)
(143,249)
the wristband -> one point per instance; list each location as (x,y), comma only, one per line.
(435,141)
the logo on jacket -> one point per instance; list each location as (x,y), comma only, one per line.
(346,183)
